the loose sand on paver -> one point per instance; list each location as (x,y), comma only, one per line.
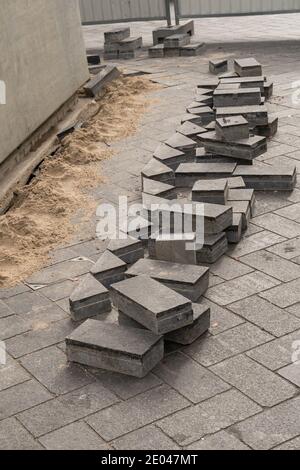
(41,217)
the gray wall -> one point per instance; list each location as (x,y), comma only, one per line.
(42,62)
(106,11)
(190,8)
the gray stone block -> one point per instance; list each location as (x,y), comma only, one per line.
(130,44)
(235,231)
(129,250)
(187,174)
(244,149)
(177,40)
(269,130)
(203,157)
(111,55)
(190,130)
(156,188)
(268,90)
(204,99)
(267,178)
(157,171)
(157,52)
(178,249)
(192,50)
(160,34)
(243,195)
(232,128)
(246,82)
(99,81)
(204,114)
(255,115)
(248,67)
(229,86)
(139,228)
(239,97)
(189,334)
(218,66)
(229,74)
(169,155)
(128,351)
(188,280)
(213,248)
(109,269)
(171,52)
(193,118)
(210,83)
(116,35)
(182,143)
(90,298)
(211,191)
(236,182)
(152,304)
(243,208)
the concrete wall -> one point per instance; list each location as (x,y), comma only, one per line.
(42,63)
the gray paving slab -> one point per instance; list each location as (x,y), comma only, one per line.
(272,264)
(275,426)
(109,269)
(147,438)
(128,250)
(222,440)
(189,334)
(13,436)
(255,381)
(88,299)
(239,97)
(137,412)
(291,373)
(216,413)
(12,373)
(189,378)
(276,321)
(165,312)
(211,191)
(231,129)
(247,67)
(75,436)
(187,174)
(221,318)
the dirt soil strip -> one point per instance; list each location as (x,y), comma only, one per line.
(41,217)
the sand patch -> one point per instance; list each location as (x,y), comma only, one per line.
(41,217)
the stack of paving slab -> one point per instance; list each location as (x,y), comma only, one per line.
(175,41)
(120,45)
(130,305)
(136,298)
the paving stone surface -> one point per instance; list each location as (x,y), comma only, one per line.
(255,313)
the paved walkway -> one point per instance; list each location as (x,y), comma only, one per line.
(234,389)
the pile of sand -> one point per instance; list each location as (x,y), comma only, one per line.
(40,218)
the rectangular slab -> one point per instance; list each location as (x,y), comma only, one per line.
(228,86)
(188,280)
(177,40)
(152,304)
(244,149)
(101,345)
(267,178)
(161,33)
(187,174)
(109,269)
(190,130)
(192,50)
(245,82)
(268,90)
(96,85)
(170,156)
(213,248)
(255,115)
(218,66)
(189,334)
(157,171)
(130,44)
(235,231)
(269,130)
(210,83)
(129,250)
(211,191)
(182,143)
(236,182)
(243,208)
(239,97)
(89,298)
(175,250)
(116,35)
(247,67)
(156,188)
(204,113)
(156,52)
(232,128)
(243,195)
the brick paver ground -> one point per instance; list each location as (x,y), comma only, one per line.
(234,389)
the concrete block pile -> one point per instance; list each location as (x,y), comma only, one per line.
(175,41)
(118,44)
(147,290)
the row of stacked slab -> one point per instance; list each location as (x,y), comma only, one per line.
(175,41)
(119,44)
(147,290)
